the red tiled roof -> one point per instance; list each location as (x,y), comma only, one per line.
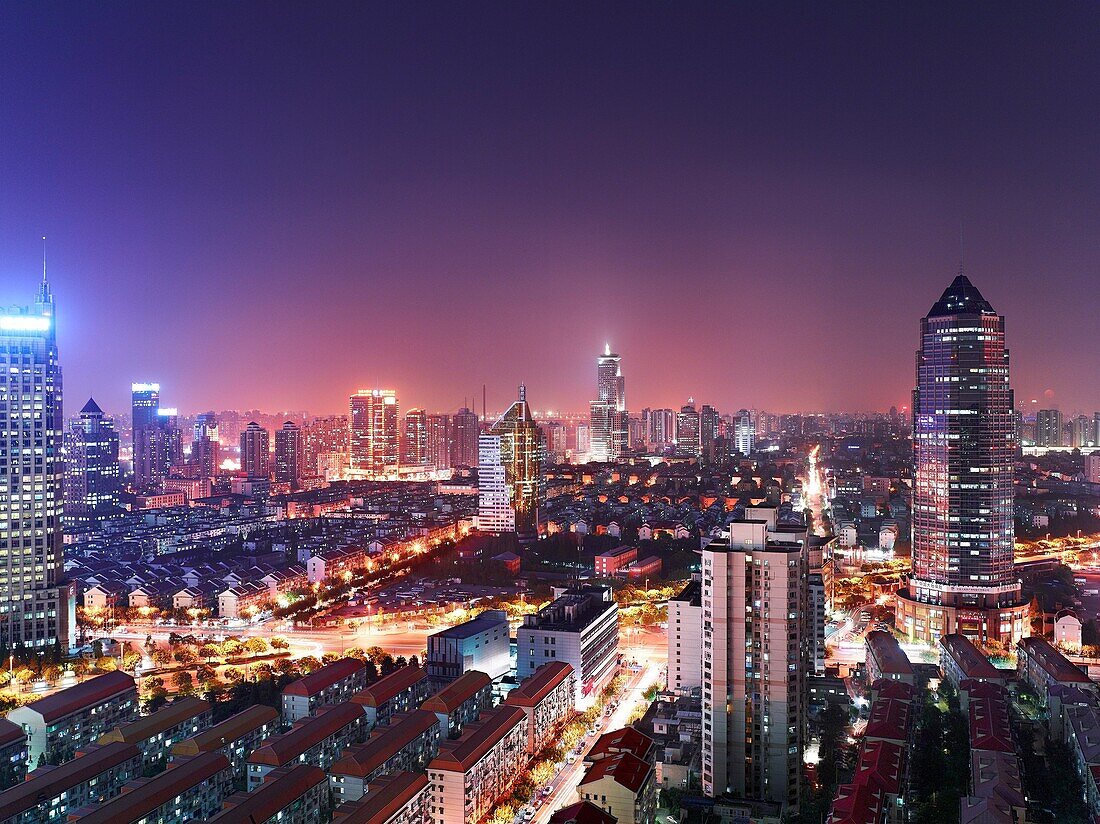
(857,804)
(363,759)
(10,733)
(325,677)
(584,812)
(626,739)
(391,685)
(280,789)
(180,710)
(970,659)
(888,653)
(386,796)
(625,769)
(232,728)
(307,733)
(477,739)
(540,684)
(889,720)
(889,688)
(93,691)
(1060,668)
(458,692)
(989,725)
(49,782)
(880,762)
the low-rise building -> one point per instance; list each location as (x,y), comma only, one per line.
(154,735)
(334,683)
(960,660)
(886,659)
(1082,727)
(401,798)
(236,737)
(60,724)
(548,699)
(290,795)
(583,812)
(625,739)
(400,691)
(408,743)
(13,754)
(50,793)
(609,562)
(482,643)
(461,702)
(1042,666)
(317,740)
(473,772)
(623,785)
(685,638)
(191,790)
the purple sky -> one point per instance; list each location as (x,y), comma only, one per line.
(270,205)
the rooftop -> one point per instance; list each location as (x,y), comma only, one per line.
(180,710)
(1057,666)
(888,653)
(280,789)
(49,782)
(363,759)
(458,692)
(306,734)
(384,799)
(626,739)
(970,659)
(485,621)
(324,677)
(691,594)
(389,686)
(536,687)
(625,769)
(232,728)
(477,739)
(960,298)
(93,691)
(584,812)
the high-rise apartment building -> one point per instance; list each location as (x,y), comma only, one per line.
(205,447)
(1080,433)
(325,440)
(687,430)
(663,423)
(754,601)
(438,440)
(288,455)
(510,480)
(91,468)
(744,432)
(1048,428)
(608,438)
(414,443)
(35,608)
(374,431)
(708,432)
(255,451)
(465,429)
(556,447)
(964,443)
(144,403)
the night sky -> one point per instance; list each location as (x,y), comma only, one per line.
(272,204)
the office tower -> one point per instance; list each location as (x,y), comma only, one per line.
(374,431)
(584,441)
(439,441)
(607,413)
(510,481)
(255,451)
(708,432)
(1096,428)
(168,440)
(556,448)
(144,403)
(414,445)
(205,447)
(1048,428)
(664,427)
(465,429)
(755,600)
(327,437)
(288,455)
(744,432)
(687,430)
(91,468)
(35,609)
(647,427)
(636,433)
(963,579)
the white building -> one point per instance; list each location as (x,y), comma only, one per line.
(482,643)
(685,638)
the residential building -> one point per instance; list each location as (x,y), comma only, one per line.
(237,737)
(289,462)
(482,643)
(400,691)
(465,429)
(289,795)
(317,740)
(964,446)
(1048,428)
(333,683)
(37,609)
(687,431)
(205,446)
(461,702)
(685,638)
(548,698)
(414,444)
(607,413)
(374,431)
(754,582)
(579,628)
(624,740)
(744,432)
(325,446)
(624,786)
(438,441)
(150,461)
(473,772)
(960,660)
(1042,666)
(91,468)
(886,659)
(69,720)
(13,754)
(255,451)
(157,733)
(409,742)
(400,798)
(611,561)
(708,433)
(583,812)
(510,482)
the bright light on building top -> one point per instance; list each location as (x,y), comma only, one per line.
(24,323)
(145,387)
(168,412)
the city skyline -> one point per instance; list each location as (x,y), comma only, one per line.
(397,164)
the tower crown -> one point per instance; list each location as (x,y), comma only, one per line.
(961,297)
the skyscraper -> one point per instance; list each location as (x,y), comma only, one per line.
(755,645)
(465,429)
(510,481)
(91,468)
(325,441)
(744,432)
(414,443)
(687,431)
(144,403)
(708,432)
(35,608)
(374,431)
(1048,428)
(288,455)
(205,447)
(439,441)
(255,451)
(608,438)
(663,423)
(963,578)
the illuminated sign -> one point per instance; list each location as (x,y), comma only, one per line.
(24,323)
(145,387)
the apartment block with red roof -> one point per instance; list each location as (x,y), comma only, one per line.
(332,684)
(13,754)
(626,739)
(960,661)
(401,798)
(623,785)
(408,743)
(289,795)
(236,737)
(547,698)
(318,741)
(402,690)
(583,812)
(461,702)
(154,735)
(1042,666)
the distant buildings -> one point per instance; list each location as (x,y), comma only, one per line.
(744,432)
(150,463)
(255,451)
(289,455)
(374,431)
(325,446)
(1048,428)
(438,441)
(510,482)
(205,446)
(414,444)
(91,468)
(465,429)
(687,431)
(607,413)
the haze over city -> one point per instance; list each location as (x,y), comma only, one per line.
(269,207)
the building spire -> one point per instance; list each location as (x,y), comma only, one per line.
(44,296)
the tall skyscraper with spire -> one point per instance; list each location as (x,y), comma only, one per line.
(964,442)
(510,482)
(609,433)
(36,609)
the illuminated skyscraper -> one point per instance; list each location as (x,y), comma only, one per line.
(326,441)
(144,403)
(708,432)
(963,446)
(255,451)
(465,429)
(91,468)
(205,448)
(663,423)
(439,441)
(414,443)
(687,431)
(1048,428)
(374,431)
(510,481)
(35,608)
(607,413)
(744,432)
(288,455)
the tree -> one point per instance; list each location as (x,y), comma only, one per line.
(255,646)
(233,675)
(183,682)
(206,675)
(186,656)
(309,663)
(161,657)
(108,663)
(279,643)
(209,651)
